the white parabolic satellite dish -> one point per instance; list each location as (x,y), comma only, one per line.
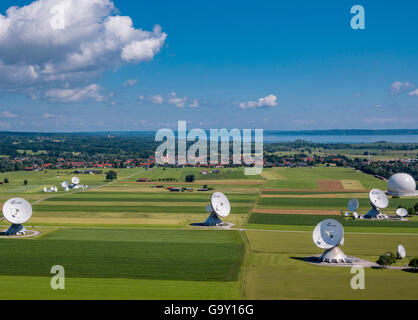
(402,212)
(64,184)
(353,205)
(328,234)
(75,180)
(401,251)
(17,210)
(378,198)
(220,204)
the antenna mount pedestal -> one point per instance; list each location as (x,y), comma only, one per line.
(335,255)
(212,220)
(373,212)
(15,230)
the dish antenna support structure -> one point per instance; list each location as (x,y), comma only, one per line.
(17,211)
(328,235)
(218,208)
(65,186)
(378,200)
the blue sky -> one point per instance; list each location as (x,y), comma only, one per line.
(283,65)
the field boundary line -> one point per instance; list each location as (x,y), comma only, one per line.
(367,233)
(217,229)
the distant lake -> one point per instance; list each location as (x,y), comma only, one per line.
(403,138)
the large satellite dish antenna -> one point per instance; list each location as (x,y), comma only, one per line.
(401,252)
(402,212)
(220,204)
(378,200)
(218,208)
(17,211)
(352,206)
(328,235)
(75,180)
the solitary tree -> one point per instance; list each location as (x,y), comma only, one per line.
(111,175)
(6,180)
(386,260)
(414,264)
(416,207)
(25,182)
(190,178)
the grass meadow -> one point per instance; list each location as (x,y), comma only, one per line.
(130,240)
(275,269)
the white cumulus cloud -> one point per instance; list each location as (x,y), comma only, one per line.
(157,99)
(414,93)
(267,101)
(8,114)
(178,102)
(130,82)
(194,104)
(399,86)
(171,99)
(67,95)
(49,43)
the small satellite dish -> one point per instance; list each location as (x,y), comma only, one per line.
(356,216)
(64,184)
(328,234)
(402,212)
(75,180)
(45,190)
(401,252)
(353,205)
(17,210)
(220,204)
(378,198)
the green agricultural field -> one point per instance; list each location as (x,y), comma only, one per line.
(130,240)
(38,288)
(126,208)
(275,269)
(38,180)
(122,202)
(313,220)
(330,203)
(307,178)
(160,255)
(179,174)
(144,197)
(377,153)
